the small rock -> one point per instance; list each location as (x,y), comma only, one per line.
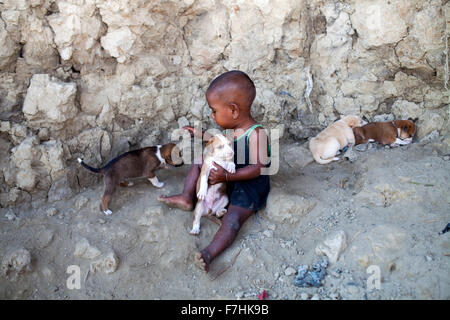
(43,238)
(353,290)
(297,156)
(391,266)
(334,296)
(239,295)
(384,117)
(335,273)
(304,296)
(428,258)
(350,155)
(289,271)
(315,297)
(46,272)
(333,246)
(108,264)
(84,250)
(15,263)
(44,134)
(81,202)
(51,211)
(363,147)
(10,216)
(268,233)
(287,208)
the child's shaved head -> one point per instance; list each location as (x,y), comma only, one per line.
(236,85)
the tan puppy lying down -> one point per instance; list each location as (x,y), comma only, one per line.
(213,199)
(326,145)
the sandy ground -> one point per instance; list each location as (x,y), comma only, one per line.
(391,204)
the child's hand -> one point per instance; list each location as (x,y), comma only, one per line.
(217,174)
(193,131)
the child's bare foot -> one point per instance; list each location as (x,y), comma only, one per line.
(178,201)
(201,262)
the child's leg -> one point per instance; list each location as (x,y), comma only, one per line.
(185,200)
(232,222)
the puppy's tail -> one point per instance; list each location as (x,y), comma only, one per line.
(96,170)
(316,154)
(320,160)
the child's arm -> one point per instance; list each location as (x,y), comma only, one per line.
(194,132)
(259,157)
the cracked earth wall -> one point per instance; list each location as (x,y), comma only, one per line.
(94,78)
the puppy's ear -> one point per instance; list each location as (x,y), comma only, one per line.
(166,149)
(210,141)
(413,120)
(358,133)
(209,146)
(176,156)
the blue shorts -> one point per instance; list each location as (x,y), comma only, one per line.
(249,194)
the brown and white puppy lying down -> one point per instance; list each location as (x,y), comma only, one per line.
(326,145)
(213,199)
(135,164)
(393,133)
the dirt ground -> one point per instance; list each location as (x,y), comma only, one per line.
(391,204)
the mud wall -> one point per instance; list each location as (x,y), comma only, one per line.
(94,78)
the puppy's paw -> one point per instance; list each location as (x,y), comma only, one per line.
(407,141)
(156,183)
(221,212)
(232,168)
(201,195)
(108,212)
(195,231)
(393,145)
(159,184)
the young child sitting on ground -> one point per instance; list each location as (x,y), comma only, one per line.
(230,97)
